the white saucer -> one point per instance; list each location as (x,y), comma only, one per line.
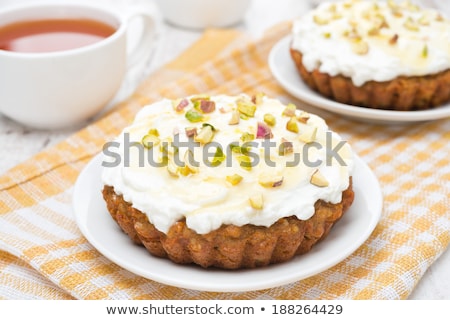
(346,236)
(285,72)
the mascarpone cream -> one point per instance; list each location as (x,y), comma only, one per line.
(373,40)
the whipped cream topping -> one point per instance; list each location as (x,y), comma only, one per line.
(209,196)
(373,40)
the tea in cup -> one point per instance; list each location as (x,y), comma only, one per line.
(60,64)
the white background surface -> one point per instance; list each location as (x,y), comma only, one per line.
(18,143)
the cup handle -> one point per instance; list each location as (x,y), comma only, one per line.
(146,41)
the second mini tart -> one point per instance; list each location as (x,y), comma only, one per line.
(382,55)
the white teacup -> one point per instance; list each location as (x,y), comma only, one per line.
(63,88)
(199,14)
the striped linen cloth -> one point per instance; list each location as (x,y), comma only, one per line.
(43,255)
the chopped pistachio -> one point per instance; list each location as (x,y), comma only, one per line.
(286,147)
(397,13)
(327,35)
(246,107)
(258,98)
(235,118)
(360,47)
(292,125)
(167,147)
(154,132)
(205,135)
(303,117)
(172,168)
(411,25)
(194,116)
(263,131)
(373,31)
(235,179)
(189,162)
(320,20)
(207,106)
(425,51)
(219,157)
(209,125)
(394,39)
(270,119)
(184,171)
(180,104)
(289,111)
(191,132)
(319,180)
(246,137)
(424,20)
(392,4)
(257,201)
(269,181)
(245,162)
(150,140)
(308,136)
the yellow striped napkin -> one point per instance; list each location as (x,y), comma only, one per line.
(43,255)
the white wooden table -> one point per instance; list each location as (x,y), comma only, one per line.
(18,143)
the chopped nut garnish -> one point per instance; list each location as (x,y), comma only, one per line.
(308,136)
(319,180)
(172,168)
(207,106)
(327,35)
(205,135)
(258,98)
(167,147)
(286,147)
(394,39)
(263,131)
(257,201)
(180,104)
(320,20)
(219,157)
(360,47)
(246,137)
(189,162)
(270,119)
(374,31)
(268,181)
(235,118)
(194,116)
(411,25)
(151,139)
(246,107)
(289,111)
(292,125)
(397,13)
(245,162)
(425,51)
(303,117)
(439,18)
(424,20)
(191,132)
(235,179)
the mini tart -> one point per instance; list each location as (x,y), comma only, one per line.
(227,211)
(229,247)
(386,55)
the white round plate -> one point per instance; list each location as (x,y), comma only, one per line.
(346,236)
(285,72)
